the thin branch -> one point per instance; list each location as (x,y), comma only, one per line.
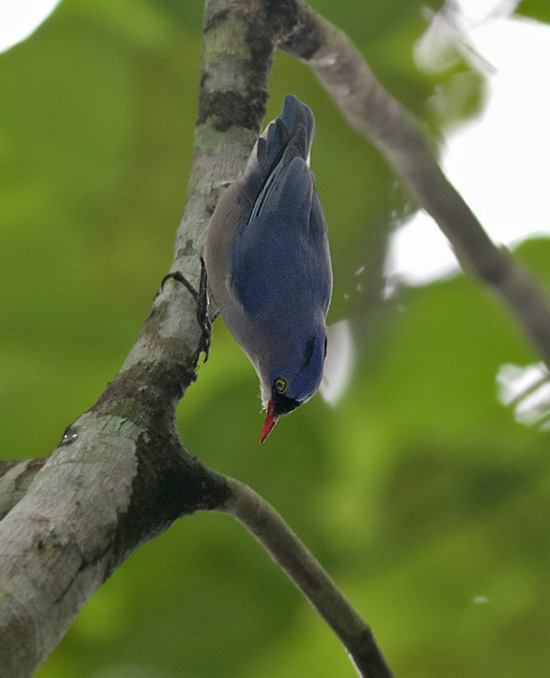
(267,526)
(377,115)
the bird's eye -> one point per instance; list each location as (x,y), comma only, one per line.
(281,385)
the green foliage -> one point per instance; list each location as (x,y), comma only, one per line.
(422,496)
(534,9)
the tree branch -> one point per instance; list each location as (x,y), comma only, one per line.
(377,115)
(113,483)
(262,521)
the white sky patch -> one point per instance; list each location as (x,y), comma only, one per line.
(20,18)
(499,162)
(339,362)
(527,391)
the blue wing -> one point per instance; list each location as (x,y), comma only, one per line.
(280,263)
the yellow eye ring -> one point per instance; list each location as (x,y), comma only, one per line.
(280,385)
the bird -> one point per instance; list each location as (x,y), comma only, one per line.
(268,265)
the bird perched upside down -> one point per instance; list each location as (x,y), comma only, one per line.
(268,263)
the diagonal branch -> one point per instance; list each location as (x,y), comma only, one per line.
(304,570)
(377,115)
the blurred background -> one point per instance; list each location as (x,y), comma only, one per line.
(424,487)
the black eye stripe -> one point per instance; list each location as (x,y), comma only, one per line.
(283,404)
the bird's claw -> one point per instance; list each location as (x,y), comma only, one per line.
(201,298)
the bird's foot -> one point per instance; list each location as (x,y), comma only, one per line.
(201,297)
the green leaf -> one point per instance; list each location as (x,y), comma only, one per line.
(534,9)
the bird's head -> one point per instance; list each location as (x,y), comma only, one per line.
(293,380)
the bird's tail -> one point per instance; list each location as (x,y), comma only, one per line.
(294,129)
(290,134)
(300,124)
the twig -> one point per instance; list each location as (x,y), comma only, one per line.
(267,526)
